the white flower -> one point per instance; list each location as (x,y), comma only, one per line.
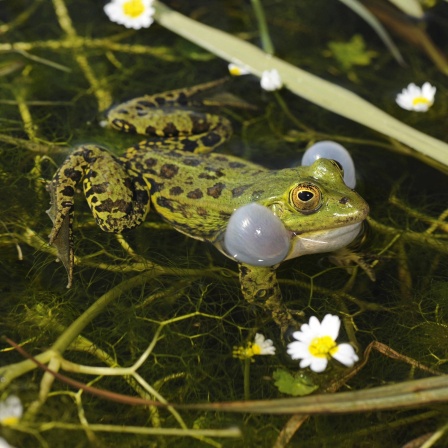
(131,13)
(11,411)
(270,80)
(316,344)
(4,443)
(260,346)
(416,98)
(237,70)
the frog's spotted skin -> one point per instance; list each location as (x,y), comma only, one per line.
(197,192)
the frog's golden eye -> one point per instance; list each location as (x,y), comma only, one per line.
(306,198)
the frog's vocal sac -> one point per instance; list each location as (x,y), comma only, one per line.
(175,173)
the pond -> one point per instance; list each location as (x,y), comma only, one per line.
(154,343)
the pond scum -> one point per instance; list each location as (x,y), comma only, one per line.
(154,345)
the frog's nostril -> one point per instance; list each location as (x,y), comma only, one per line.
(344,200)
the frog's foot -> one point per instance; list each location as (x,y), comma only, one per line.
(346,258)
(61,236)
(62,191)
(259,286)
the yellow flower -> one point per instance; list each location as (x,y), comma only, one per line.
(316,343)
(131,13)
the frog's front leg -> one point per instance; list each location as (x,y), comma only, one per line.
(118,198)
(259,286)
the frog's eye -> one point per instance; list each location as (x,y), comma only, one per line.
(306,198)
(333,151)
(255,236)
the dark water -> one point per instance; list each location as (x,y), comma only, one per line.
(53,91)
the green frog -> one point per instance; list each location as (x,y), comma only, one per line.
(292,212)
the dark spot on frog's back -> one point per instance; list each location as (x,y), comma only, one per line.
(150,130)
(237,165)
(170,130)
(189,145)
(238,191)
(145,103)
(123,111)
(176,191)
(211,139)
(216,190)
(211,173)
(173,154)
(156,186)
(160,100)
(108,205)
(195,194)
(150,162)
(165,203)
(68,191)
(215,173)
(124,125)
(199,125)
(192,161)
(96,189)
(141,112)
(182,98)
(168,170)
(244,271)
(141,196)
(100,188)
(74,175)
(256,195)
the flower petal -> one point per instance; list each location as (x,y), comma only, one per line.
(318,364)
(314,324)
(270,80)
(330,326)
(305,362)
(428,91)
(298,350)
(346,355)
(404,101)
(4,443)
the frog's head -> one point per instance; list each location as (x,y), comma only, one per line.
(318,213)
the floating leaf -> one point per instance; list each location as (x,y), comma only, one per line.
(297,384)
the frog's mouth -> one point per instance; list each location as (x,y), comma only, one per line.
(327,240)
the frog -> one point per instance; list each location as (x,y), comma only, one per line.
(175,172)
